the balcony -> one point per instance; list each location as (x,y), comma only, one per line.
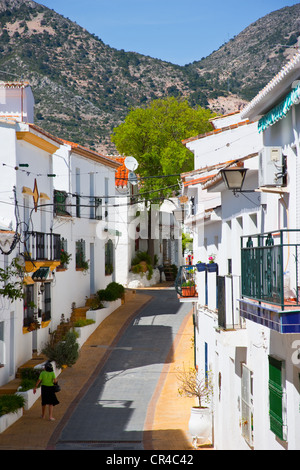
(185,284)
(41,250)
(270,278)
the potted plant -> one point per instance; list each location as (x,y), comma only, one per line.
(192,384)
(212,267)
(65,259)
(188,289)
(200,266)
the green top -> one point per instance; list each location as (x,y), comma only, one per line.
(47,378)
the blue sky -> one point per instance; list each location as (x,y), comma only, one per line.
(178,31)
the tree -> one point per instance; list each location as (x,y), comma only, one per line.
(154,135)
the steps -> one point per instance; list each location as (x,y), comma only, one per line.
(10,388)
(168,270)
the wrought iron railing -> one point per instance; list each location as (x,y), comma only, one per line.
(269,267)
(42,246)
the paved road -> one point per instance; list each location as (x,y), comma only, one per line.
(112,413)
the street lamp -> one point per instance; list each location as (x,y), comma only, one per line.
(234,179)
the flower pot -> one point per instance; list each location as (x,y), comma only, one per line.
(212,267)
(200,425)
(188,291)
(201,267)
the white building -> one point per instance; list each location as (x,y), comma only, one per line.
(54,195)
(246,312)
(84,195)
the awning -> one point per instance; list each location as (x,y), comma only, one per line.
(41,274)
(28,280)
(27,191)
(280,111)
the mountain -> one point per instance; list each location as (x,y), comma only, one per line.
(83,88)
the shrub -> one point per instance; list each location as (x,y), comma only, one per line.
(112,292)
(11,404)
(141,256)
(83,322)
(65,352)
(29,377)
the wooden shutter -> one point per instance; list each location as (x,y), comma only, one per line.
(276,394)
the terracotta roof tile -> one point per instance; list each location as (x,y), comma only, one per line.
(121,177)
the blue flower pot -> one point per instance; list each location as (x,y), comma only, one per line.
(212,267)
(201,267)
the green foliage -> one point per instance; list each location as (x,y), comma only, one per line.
(12,284)
(11,403)
(186,240)
(113,291)
(154,135)
(138,263)
(29,373)
(141,256)
(26,384)
(64,352)
(83,322)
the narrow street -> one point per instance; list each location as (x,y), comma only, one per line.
(112,413)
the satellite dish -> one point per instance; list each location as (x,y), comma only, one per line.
(132,178)
(131,163)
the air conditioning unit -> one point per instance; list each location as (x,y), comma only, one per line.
(271,167)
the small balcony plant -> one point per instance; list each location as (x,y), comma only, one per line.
(65,258)
(212,265)
(200,266)
(188,289)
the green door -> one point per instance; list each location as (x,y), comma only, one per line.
(276,397)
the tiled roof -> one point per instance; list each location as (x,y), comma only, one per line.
(121,177)
(288,70)
(202,180)
(218,131)
(85,152)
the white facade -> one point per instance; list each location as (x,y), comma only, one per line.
(236,347)
(34,166)
(88,182)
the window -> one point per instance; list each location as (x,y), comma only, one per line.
(109,258)
(60,203)
(247,405)
(277,411)
(106,190)
(64,255)
(77,192)
(81,262)
(96,208)
(28,305)
(46,313)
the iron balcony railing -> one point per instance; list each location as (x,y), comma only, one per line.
(269,268)
(42,246)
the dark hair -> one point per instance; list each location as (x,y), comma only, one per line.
(48,367)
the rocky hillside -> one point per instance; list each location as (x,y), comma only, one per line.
(84,88)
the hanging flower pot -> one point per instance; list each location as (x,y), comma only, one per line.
(201,266)
(212,267)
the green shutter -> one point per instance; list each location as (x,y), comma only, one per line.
(276,397)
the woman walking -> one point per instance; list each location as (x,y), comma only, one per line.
(47,379)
